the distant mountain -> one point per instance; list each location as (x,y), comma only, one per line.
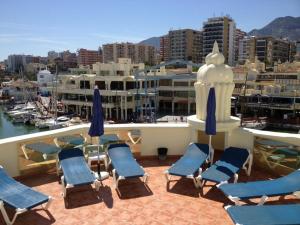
(153,41)
(281,27)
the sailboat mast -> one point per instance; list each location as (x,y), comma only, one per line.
(55,96)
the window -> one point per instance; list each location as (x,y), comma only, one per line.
(84,84)
(100,84)
(116,85)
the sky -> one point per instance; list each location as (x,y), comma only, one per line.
(38,26)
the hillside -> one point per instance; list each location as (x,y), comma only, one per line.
(282,27)
(153,41)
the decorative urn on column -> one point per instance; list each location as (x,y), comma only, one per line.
(220,76)
(214,73)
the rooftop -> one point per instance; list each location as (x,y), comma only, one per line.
(180,203)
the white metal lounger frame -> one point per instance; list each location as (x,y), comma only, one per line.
(23,147)
(18,210)
(262,201)
(247,166)
(65,186)
(116,180)
(191,176)
(134,142)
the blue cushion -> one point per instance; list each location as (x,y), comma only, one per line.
(191,161)
(75,169)
(18,195)
(281,186)
(265,214)
(124,162)
(43,148)
(231,161)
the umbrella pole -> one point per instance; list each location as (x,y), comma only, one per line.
(98,163)
(210,150)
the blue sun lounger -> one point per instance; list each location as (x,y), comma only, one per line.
(262,189)
(265,214)
(230,163)
(124,164)
(44,148)
(190,163)
(19,197)
(75,170)
(69,140)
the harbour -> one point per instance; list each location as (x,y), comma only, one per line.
(9,129)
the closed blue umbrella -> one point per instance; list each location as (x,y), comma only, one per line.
(97,123)
(210,122)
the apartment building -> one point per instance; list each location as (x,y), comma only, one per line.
(239,35)
(270,50)
(265,93)
(138,53)
(246,49)
(177,94)
(164,48)
(297,56)
(123,96)
(184,44)
(292,51)
(222,30)
(15,62)
(89,57)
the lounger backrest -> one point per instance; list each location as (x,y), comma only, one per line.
(233,159)
(235,156)
(194,149)
(18,195)
(120,150)
(43,147)
(124,162)
(8,185)
(290,182)
(73,140)
(74,166)
(70,153)
(108,138)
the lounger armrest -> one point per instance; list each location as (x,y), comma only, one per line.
(227,207)
(56,142)
(297,194)
(221,183)
(200,171)
(236,200)
(263,199)
(19,211)
(248,162)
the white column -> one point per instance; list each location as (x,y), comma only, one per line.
(122,110)
(125,107)
(173,107)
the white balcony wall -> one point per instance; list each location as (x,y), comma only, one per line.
(174,136)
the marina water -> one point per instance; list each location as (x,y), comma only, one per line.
(9,129)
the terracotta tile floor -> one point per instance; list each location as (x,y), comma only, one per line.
(180,203)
